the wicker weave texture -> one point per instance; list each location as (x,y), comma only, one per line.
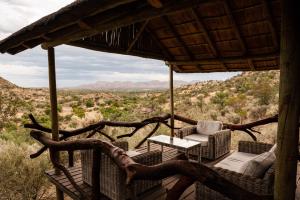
(113,179)
(256,185)
(218,144)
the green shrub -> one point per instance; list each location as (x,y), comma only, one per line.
(89,103)
(220,99)
(22,177)
(78,111)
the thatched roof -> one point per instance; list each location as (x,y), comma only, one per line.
(194,35)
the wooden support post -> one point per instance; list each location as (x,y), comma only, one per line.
(172,99)
(289,103)
(53,102)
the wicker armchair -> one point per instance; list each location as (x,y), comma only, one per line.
(112,179)
(215,146)
(263,186)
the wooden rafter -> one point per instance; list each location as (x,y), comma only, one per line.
(45,37)
(235,27)
(251,65)
(205,32)
(271,24)
(164,50)
(122,18)
(137,36)
(103,48)
(178,38)
(155,3)
(224,66)
(26,46)
(84,25)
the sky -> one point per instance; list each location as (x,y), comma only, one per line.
(74,66)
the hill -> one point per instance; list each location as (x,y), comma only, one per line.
(6,84)
(130,86)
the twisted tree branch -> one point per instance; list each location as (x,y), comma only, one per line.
(190,171)
(97,127)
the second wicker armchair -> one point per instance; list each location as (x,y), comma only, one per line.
(215,142)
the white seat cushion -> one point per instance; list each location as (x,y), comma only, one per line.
(199,138)
(236,161)
(257,166)
(208,127)
(131,153)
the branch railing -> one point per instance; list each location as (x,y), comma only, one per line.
(189,171)
(97,128)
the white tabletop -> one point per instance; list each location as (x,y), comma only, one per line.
(182,143)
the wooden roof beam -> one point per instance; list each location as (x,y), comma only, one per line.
(224,66)
(178,38)
(164,50)
(83,25)
(121,20)
(235,27)
(137,36)
(63,18)
(45,37)
(205,32)
(103,48)
(26,46)
(224,60)
(271,24)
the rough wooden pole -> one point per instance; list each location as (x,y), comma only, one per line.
(53,103)
(289,103)
(172,99)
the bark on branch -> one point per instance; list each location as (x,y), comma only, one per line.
(134,171)
(98,127)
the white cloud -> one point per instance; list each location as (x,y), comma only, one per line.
(75,66)
(16,14)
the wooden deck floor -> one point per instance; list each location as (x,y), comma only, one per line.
(158,193)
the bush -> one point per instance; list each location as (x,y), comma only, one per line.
(89,103)
(220,99)
(78,111)
(21,177)
(264,92)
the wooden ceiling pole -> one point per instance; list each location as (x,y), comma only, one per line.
(171,99)
(54,114)
(137,36)
(205,32)
(289,103)
(271,24)
(235,27)
(178,38)
(164,50)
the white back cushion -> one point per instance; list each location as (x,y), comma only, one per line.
(208,127)
(258,165)
(273,149)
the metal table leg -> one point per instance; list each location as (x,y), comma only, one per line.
(148,146)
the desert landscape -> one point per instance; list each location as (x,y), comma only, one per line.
(247,97)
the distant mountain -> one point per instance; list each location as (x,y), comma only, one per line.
(6,84)
(128,85)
